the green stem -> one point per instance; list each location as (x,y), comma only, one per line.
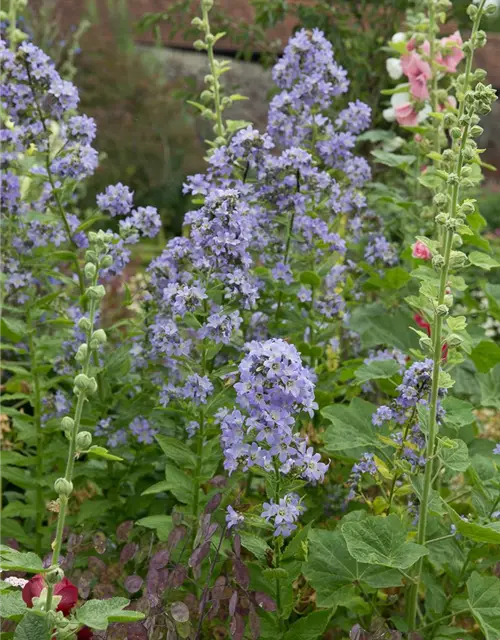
(437,347)
(286,255)
(12,24)
(434,81)
(277,554)
(197,477)
(213,70)
(37,409)
(70,463)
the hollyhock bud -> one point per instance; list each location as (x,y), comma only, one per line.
(419,250)
(64,589)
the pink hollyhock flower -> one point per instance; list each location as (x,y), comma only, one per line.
(406,115)
(418,72)
(419,250)
(425,47)
(452,59)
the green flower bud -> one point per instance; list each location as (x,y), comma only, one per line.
(453,179)
(208,4)
(454,340)
(457,240)
(90,270)
(448,300)
(63,487)
(425,343)
(84,324)
(209,79)
(467,207)
(472,11)
(96,293)
(106,261)
(100,336)
(198,22)
(457,259)
(448,156)
(55,574)
(199,45)
(90,256)
(490,9)
(451,224)
(209,38)
(440,199)
(82,382)
(441,218)
(479,75)
(442,310)
(67,423)
(83,440)
(481,39)
(82,352)
(206,96)
(92,386)
(437,261)
(476,131)
(92,237)
(455,133)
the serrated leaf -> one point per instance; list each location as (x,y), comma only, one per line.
(485,355)
(484,602)
(330,567)
(13,605)
(489,534)
(98,614)
(457,323)
(382,541)
(33,626)
(483,260)
(256,545)
(12,560)
(351,428)
(310,627)
(393,159)
(310,278)
(376,370)
(454,454)
(177,451)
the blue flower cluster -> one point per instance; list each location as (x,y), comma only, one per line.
(414,390)
(366,464)
(274,387)
(283,514)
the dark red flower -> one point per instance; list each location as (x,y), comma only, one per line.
(66,589)
(84,634)
(423,324)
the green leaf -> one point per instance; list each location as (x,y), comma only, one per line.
(458,412)
(98,614)
(381,540)
(102,452)
(377,369)
(351,428)
(483,260)
(309,628)
(13,605)
(484,603)
(454,454)
(489,386)
(330,567)
(485,355)
(12,560)
(12,329)
(394,278)
(310,278)
(489,534)
(236,125)
(256,545)
(33,626)
(177,451)
(393,159)
(177,482)
(377,326)
(161,521)
(457,323)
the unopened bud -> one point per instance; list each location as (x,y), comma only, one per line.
(448,300)
(84,324)
(82,382)
(106,261)
(442,310)
(437,261)
(199,45)
(83,440)
(100,336)
(455,133)
(454,340)
(55,574)
(96,293)
(457,259)
(90,270)
(82,353)
(476,131)
(67,423)
(91,256)
(92,386)
(63,487)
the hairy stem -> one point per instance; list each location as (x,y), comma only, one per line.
(37,411)
(437,346)
(219,125)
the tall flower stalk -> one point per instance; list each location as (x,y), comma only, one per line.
(85,385)
(454,169)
